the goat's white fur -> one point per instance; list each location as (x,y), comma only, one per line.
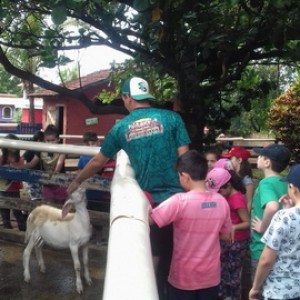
(60,229)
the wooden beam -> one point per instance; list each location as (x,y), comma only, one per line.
(59,179)
(98,218)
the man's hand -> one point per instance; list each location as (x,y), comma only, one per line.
(256,225)
(74,185)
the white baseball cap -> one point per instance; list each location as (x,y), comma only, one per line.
(136,88)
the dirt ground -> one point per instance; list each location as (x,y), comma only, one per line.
(58,282)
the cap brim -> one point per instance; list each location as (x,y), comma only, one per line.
(226,155)
(258,150)
(143,97)
(284,179)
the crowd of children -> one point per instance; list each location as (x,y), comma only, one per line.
(273,241)
(273,246)
(216,221)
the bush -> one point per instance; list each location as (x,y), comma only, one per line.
(284,119)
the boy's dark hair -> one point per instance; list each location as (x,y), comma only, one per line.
(192,163)
(51,130)
(90,136)
(245,169)
(38,136)
(237,182)
(5,151)
(276,166)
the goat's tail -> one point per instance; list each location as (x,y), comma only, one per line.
(29,228)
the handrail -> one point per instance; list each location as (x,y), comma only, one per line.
(129,272)
(225,139)
(47,147)
(62,136)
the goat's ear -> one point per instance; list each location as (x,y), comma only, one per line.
(66,209)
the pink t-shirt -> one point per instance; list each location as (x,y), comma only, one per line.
(238,201)
(198,218)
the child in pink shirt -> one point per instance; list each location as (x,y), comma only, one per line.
(233,254)
(200,218)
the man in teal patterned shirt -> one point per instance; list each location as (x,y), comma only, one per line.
(153,139)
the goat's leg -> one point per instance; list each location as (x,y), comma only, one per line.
(39,256)
(85,258)
(76,262)
(26,257)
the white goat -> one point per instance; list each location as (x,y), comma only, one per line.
(60,229)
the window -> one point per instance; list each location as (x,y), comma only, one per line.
(7,112)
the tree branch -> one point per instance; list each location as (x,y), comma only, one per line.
(76,94)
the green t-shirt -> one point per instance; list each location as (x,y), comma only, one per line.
(150,137)
(269,189)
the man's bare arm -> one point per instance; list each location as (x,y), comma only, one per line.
(182,149)
(92,168)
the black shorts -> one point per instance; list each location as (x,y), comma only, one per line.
(161,240)
(202,294)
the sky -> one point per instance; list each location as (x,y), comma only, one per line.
(94,58)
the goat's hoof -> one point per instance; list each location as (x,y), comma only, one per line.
(89,281)
(42,270)
(79,288)
(27,279)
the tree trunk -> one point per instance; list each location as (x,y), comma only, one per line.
(31,110)
(192,111)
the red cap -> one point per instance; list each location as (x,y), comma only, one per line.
(237,151)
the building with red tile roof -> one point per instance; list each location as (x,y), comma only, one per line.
(73,117)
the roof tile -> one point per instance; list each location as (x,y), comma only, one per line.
(82,82)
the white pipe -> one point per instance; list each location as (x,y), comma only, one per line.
(245,139)
(8,124)
(61,136)
(129,271)
(47,147)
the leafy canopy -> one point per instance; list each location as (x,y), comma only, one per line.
(205,46)
(9,84)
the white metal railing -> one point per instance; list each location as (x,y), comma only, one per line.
(129,272)
(62,136)
(225,139)
(9,124)
(101,137)
(47,147)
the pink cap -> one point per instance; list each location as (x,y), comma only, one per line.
(224,163)
(216,178)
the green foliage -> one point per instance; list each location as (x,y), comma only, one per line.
(200,49)
(18,115)
(9,84)
(252,97)
(284,119)
(59,14)
(68,74)
(242,107)
(163,87)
